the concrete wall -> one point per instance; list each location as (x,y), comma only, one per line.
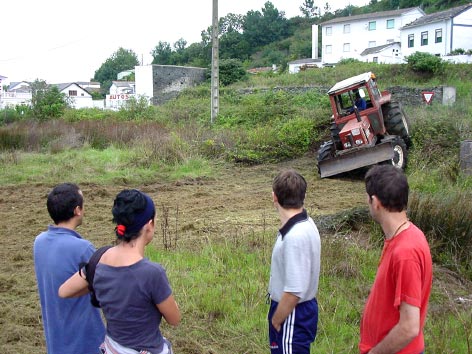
(161,83)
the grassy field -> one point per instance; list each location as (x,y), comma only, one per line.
(216,223)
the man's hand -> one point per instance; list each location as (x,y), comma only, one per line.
(284,308)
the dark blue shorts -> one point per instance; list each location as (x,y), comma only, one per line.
(298,330)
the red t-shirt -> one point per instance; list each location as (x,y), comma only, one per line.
(404,275)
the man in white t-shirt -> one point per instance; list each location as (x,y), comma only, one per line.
(295,269)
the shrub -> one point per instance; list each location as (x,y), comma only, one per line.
(230,71)
(425,63)
(348,61)
(136,108)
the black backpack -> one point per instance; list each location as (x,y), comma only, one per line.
(90,272)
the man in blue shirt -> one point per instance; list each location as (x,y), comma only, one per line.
(71,326)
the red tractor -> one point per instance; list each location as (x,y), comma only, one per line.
(368,128)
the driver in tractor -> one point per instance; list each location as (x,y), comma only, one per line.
(360,102)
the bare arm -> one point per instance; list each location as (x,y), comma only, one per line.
(284,308)
(75,286)
(170,310)
(407,328)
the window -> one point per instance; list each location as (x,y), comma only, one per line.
(346,47)
(390,23)
(390,41)
(329,49)
(372,25)
(375,59)
(72,93)
(347,29)
(411,40)
(329,31)
(372,44)
(438,36)
(424,38)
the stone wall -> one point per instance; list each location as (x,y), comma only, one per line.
(169,80)
(405,95)
(414,96)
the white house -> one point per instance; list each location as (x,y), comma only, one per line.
(387,53)
(439,33)
(78,96)
(18,93)
(302,64)
(349,37)
(120,93)
(2,78)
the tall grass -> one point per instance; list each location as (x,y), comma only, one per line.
(220,282)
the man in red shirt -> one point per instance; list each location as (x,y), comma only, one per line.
(395,312)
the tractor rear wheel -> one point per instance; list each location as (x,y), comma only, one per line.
(396,121)
(400,154)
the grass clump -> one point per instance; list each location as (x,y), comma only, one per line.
(447,221)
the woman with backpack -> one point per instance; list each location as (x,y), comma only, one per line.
(133,292)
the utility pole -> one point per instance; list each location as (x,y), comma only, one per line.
(214,64)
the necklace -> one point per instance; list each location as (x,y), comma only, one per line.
(386,245)
(398,228)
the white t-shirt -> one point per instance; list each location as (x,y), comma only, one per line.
(295,266)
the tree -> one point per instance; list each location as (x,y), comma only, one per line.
(230,23)
(47,101)
(233,45)
(309,9)
(121,60)
(162,53)
(266,27)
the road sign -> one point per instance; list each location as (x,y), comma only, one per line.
(427,96)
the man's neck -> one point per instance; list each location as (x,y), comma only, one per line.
(287,214)
(70,224)
(393,223)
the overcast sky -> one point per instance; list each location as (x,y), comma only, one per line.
(63,41)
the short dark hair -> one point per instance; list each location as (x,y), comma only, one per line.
(62,201)
(390,185)
(128,209)
(290,188)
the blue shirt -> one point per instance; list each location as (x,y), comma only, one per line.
(73,325)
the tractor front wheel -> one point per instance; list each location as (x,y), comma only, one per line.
(400,154)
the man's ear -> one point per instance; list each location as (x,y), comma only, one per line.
(77,211)
(375,202)
(274,197)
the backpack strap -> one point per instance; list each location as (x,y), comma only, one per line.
(90,271)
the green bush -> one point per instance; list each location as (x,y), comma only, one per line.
(230,71)
(136,108)
(48,102)
(425,63)
(348,61)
